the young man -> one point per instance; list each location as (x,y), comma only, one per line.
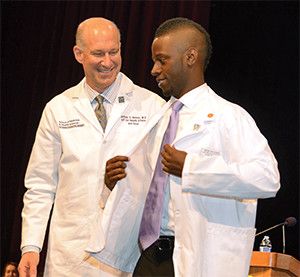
(217,166)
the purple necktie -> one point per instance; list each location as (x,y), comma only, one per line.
(152,214)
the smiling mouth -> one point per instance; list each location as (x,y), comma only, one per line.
(105,71)
(160,82)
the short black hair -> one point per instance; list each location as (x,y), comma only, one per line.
(180,22)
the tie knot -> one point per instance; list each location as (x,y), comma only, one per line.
(99,99)
(177,105)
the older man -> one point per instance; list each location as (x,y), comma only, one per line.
(104,115)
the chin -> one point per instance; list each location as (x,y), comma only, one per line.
(108,76)
(107,80)
(167,93)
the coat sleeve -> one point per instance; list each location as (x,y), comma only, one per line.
(241,166)
(41,181)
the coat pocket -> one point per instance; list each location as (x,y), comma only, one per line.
(227,250)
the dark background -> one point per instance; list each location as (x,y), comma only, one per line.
(255,64)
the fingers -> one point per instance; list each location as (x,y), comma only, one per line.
(168,148)
(23,270)
(115,175)
(166,158)
(173,160)
(111,180)
(167,153)
(28,264)
(117,159)
(33,272)
(116,166)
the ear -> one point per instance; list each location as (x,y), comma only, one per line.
(78,53)
(191,56)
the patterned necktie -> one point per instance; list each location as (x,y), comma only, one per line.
(152,214)
(100,111)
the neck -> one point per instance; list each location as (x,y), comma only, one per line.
(191,85)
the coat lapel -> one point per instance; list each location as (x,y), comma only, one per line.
(121,103)
(150,124)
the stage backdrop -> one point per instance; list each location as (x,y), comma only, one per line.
(255,64)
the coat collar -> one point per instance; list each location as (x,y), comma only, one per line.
(82,104)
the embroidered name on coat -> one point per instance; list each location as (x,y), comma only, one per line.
(133,120)
(73,123)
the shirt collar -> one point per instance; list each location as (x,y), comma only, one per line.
(109,94)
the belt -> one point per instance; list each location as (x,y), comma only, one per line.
(165,243)
(161,250)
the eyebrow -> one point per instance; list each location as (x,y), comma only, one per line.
(103,51)
(160,55)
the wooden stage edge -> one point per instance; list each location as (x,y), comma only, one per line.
(273,264)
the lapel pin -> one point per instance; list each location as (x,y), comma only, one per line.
(196,127)
(121,99)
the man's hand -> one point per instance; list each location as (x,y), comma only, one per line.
(28,264)
(115,170)
(173,160)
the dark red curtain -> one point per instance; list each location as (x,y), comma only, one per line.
(38,63)
(255,63)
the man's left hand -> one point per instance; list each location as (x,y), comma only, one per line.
(173,160)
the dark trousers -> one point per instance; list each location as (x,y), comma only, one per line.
(156,260)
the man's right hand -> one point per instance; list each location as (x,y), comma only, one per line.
(28,264)
(115,170)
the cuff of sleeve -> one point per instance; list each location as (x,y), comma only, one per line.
(30,248)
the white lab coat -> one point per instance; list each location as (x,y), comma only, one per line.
(228,166)
(123,208)
(67,167)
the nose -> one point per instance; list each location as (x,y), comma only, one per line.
(106,60)
(155,69)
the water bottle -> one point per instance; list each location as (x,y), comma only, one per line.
(265,245)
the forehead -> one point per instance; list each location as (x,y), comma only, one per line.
(102,39)
(174,42)
(165,44)
(10,267)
